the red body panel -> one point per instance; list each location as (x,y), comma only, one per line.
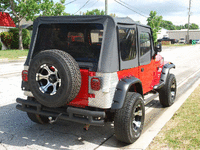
(151,73)
(148,74)
(81,99)
(128,73)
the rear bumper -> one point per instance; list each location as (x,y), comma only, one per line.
(70,113)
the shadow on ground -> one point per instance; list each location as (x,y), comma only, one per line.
(16,130)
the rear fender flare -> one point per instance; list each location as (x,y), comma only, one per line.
(125,85)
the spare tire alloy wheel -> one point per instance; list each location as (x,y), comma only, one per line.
(48,79)
(54,78)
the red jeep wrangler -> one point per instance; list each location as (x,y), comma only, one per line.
(91,69)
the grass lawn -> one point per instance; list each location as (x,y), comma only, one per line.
(183,130)
(177,45)
(13,54)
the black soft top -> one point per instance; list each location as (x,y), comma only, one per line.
(108,61)
(87,19)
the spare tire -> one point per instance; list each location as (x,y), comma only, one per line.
(54,78)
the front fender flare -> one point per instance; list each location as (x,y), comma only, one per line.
(122,88)
(165,71)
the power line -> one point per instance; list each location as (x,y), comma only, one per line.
(82,6)
(130,5)
(130,9)
(70,2)
(94,3)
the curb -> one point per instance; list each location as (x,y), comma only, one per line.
(6,60)
(146,138)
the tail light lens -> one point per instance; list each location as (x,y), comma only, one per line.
(95,84)
(25,75)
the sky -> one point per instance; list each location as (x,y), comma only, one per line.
(175,11)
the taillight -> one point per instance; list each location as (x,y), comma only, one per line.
(25,75)
(95,84)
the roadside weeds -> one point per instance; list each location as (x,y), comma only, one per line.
(6,55)
(183,130)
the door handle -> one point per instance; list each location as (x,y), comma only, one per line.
(142,69)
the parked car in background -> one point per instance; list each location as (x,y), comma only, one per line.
(197,41)
(182,40)
(168,39)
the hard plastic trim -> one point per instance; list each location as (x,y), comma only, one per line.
(165,71)
(121,91)
(70,114)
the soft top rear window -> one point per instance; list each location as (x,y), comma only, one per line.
(81,41)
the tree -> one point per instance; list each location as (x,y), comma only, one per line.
(192,26)
(66,14)
(48,8)
(97,12)
(30,9)
(167,25)
(154,22)
(180,27)
(94,12)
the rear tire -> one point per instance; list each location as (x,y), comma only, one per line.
(167,93)
(38,118)
(129,120)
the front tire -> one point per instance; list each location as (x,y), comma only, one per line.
(167,93)
(129,120)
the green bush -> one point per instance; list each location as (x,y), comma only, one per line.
(15,41)
(11,38)
(6,38)
(26,39)
(1,45)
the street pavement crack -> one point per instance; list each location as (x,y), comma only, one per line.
(104,141)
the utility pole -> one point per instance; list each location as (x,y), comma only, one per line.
(188,32)
(106,7)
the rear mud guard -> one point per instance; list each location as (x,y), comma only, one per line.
(121,91)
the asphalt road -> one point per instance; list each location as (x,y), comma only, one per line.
(18,132)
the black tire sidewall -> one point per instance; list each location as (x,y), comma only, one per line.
(124,118)
(38,118)
(135,135)
(171,78)
(165,92)
(62,93)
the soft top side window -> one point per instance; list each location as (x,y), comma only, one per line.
(145,43)
(127,43)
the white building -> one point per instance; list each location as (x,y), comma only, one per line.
(162,33)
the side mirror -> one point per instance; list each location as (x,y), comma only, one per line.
(158,47)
